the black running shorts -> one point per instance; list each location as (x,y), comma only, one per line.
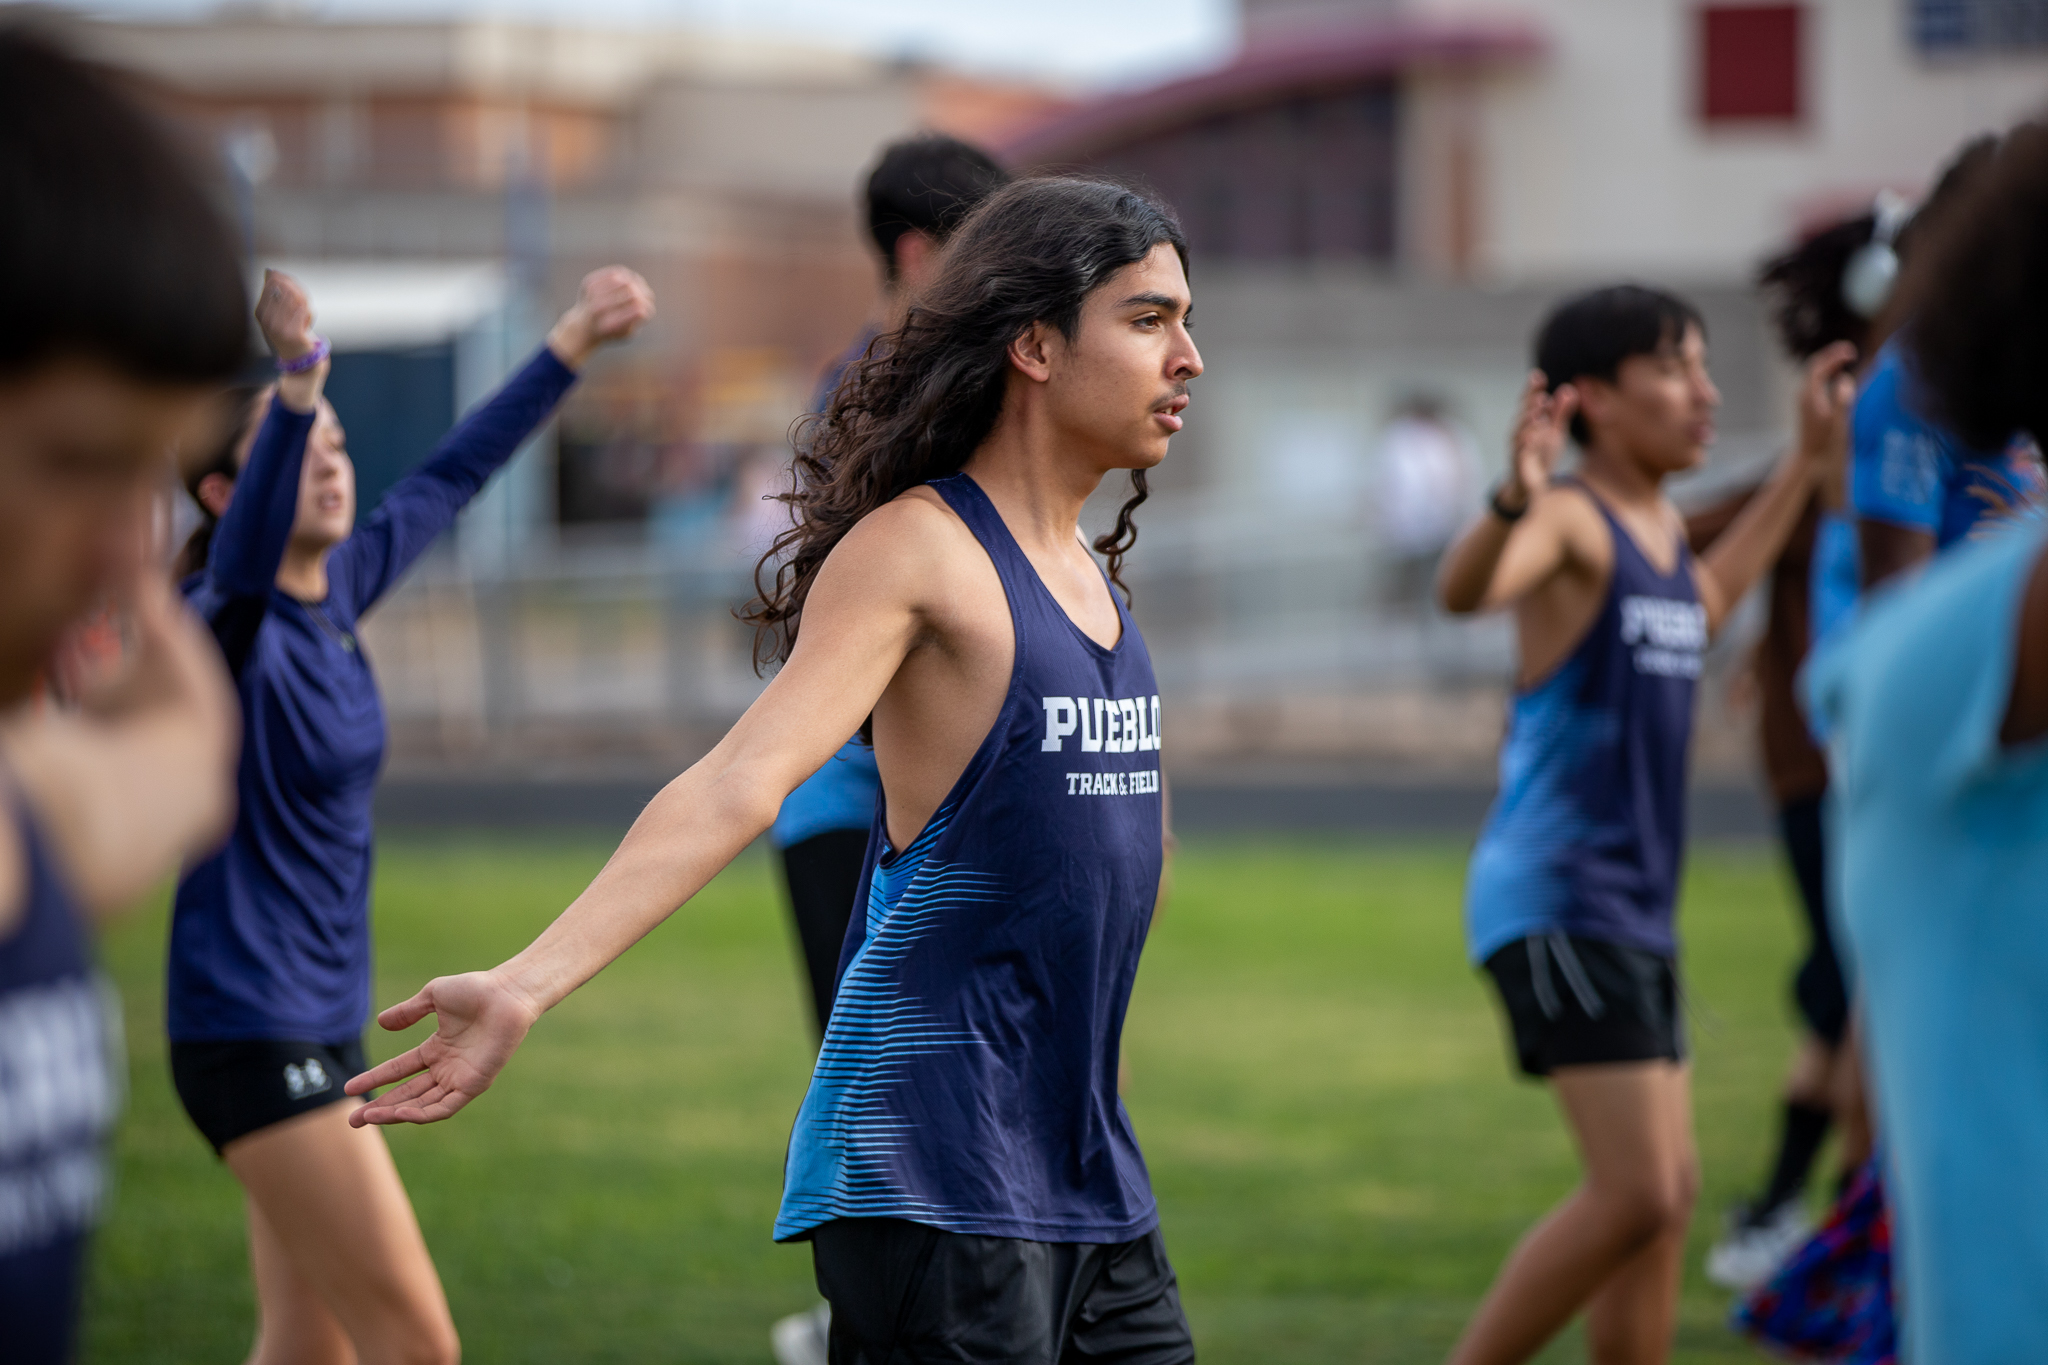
(1582,1002)
(232,1089)
(906,1294)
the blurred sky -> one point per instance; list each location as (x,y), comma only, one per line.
(1083,42)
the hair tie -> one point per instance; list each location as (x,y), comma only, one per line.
(321,350)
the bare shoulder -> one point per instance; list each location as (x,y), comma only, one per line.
(914,537)
(1572,515)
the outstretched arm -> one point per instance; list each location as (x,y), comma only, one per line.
(1498,561)
(865,611)
(1738,556)
(611,305)
(141,773)
(255,530)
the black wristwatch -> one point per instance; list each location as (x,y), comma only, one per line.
(1503,513)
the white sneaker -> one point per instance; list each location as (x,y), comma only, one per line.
(1750,1253)
(800,1338)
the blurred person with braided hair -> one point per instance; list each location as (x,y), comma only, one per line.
(1935,705)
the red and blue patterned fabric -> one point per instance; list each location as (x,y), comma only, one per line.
(1833,1299)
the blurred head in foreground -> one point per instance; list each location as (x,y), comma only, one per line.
(121,315)
(922,189)
(1030,269)
(1976,295)
(1638,358)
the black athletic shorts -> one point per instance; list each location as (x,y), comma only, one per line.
(232,1089)
(1580,1002)
(823,876)
(906,1294)
(1818,989)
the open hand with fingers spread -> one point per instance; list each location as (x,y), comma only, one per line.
(479,1022)
(1541,424)
(610,306)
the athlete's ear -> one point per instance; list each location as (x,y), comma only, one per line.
(215,491)
(1031,352)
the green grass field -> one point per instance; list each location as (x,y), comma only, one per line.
(1319,1082)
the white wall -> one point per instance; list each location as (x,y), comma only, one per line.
(1594,161)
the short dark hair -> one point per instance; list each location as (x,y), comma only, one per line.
(1976,300)
(1804,289)
(1588,337)
(109,246)
(927,184)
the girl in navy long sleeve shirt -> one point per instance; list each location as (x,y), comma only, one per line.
(269,977)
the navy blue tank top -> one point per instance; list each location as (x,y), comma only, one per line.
(968,1074)
(1588,830)
(59,1093)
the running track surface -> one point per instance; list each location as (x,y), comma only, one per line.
(1356,807)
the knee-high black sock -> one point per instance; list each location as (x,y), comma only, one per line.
(1805,1127)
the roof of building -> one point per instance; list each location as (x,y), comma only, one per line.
(1266,72)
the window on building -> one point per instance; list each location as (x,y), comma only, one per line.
(1943,26)
(1750,63)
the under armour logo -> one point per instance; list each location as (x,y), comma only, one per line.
(307,1078)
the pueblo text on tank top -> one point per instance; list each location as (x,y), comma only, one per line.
(59,1094)
(1587,832)
(968,1075)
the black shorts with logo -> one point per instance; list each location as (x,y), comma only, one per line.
(906,1294)
(1574,1001)
(232,1089)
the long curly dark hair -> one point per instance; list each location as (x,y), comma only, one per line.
(921,400)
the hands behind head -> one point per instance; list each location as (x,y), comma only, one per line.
(610,306)
(285,315)
(1541,425)
(1827,396)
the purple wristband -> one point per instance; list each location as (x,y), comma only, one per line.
(320,352)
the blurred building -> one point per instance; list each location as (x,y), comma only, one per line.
(1384,197)
(493,162)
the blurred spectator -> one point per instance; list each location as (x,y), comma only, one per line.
(1425,485)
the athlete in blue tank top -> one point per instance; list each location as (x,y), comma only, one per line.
(899,1122)
(124,314)
(98,799)
(967,1176)
(1574,881)
(269,972)
(59,1091)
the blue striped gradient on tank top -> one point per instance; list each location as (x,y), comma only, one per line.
(874,1028)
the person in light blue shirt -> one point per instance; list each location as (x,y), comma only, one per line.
(1935,701)
(1944,870)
